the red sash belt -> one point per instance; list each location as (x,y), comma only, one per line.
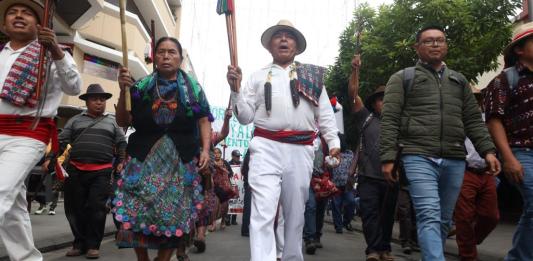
(16,125)
(292,137)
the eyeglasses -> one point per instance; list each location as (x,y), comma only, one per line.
(432,42)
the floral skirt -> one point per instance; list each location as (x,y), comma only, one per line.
(157,201)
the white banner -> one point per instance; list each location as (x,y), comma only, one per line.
(236,205)
(239,135)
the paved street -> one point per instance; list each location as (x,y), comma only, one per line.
(229,245)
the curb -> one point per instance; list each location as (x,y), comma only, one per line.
(56,241)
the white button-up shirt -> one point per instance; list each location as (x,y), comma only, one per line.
(64,77)
(250,107)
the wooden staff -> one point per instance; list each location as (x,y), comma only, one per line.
(122,4)
(41,72)
(227,7)
(152,44)
(42,52)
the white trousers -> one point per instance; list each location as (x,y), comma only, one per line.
(280,233)
(18,155)
(279,173)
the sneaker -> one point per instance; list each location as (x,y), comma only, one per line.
(373,257)
(310,247)
(41,210)
(51,211)
(407,249)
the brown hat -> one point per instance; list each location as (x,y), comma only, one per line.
(370,99)
(36,6)
(519,33)
(95,89)
(284,25)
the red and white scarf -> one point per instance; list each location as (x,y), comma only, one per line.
(21,81)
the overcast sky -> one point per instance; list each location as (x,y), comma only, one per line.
(203,34)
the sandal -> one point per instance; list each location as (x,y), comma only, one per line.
(183,257)
(200,245)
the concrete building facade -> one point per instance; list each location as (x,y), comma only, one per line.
(92,30)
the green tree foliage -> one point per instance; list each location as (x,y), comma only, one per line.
(477,32)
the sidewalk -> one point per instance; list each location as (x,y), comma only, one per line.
(494,248)
(52,232)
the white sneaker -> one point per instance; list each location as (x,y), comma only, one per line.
(51,212)
(40,210)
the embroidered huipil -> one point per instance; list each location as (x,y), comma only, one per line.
(249,106)
(64,77)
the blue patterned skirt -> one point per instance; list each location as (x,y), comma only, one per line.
(157,201)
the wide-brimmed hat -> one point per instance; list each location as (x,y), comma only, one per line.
(95,89)
(36,6)
(519,33)
(284,25)
(371,98)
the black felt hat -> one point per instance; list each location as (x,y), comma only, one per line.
(93,90)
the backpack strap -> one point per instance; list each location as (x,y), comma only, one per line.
(408,79)
(512,77)
(408,82)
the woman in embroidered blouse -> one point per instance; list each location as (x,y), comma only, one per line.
(159,195)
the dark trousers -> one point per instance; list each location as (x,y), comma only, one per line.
(343,208)
(407,218)
(378,202)
(476,213)
(86,194)
(315,210)
(247,210)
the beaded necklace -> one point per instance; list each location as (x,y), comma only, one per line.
(164,110)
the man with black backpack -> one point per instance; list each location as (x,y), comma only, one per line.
(430,110)
(509,114)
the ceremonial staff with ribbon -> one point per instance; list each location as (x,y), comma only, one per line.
(227,7)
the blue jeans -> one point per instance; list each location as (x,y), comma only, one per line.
(310,217)
(434,185)
(522,246)
(346,199)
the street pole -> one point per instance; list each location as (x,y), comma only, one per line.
(530,10)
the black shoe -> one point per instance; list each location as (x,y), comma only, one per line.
(338,230)
(407,250)
(245,234)
(349,227)
(234,222)
(200,246)
(227,223)
(310,247)
(318,244)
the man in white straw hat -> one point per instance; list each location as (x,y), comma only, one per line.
(509,114)
(288,103)
(20,147)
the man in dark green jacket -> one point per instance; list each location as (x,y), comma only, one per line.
(430,117)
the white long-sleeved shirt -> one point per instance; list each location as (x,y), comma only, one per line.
(64,77)
(249,105)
